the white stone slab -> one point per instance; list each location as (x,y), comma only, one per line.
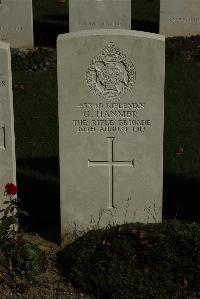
(7,137)
(179,17)
(16,23)
(111,115)
(99,14)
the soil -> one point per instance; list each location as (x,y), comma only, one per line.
(49,285)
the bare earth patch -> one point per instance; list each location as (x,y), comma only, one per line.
(49,285)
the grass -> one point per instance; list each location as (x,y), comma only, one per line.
(50,19)
(181,143)
(132,261)
(145,15)
(36,127)
(36,123)
(181,118)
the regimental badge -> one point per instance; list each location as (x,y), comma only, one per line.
(111,74)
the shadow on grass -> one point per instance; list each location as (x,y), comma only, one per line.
(145,15)
(46,33)
(39,192)
(146,26)
(181,198)
(48,28)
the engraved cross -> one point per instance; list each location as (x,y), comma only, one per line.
(110,163)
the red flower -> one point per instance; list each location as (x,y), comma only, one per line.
(11,189)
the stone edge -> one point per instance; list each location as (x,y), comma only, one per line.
(123,32)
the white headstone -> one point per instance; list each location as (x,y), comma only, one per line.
(7,137)
(16,23)
(111,101)
(179,17)
(99,14)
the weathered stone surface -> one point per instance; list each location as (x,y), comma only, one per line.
(16,23)
(179,17)
(7,138)
(99,14)
(111,99)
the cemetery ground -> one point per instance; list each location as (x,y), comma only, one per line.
(153,261)
(36,128)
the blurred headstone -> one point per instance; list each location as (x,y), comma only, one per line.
(16,23)
(179,17)
(7,136)
(99,14)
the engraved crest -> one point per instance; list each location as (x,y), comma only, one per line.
(111,74)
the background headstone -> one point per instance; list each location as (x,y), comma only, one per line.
(99,14)
(111,99)
(7,137)
(16,23)
(179,17)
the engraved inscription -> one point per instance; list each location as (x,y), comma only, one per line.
(4,29)
(100,25)
(11,28)
(105,25)
(111,117)
(2,83)
(2,139)
(111,163)
(3,93)
(111,74)
(184,19)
